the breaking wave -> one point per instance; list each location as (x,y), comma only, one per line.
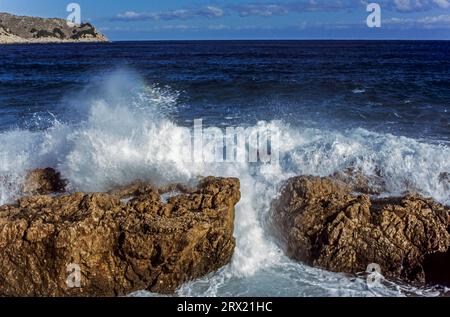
(124,132)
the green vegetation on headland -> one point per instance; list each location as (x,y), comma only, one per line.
(21,29)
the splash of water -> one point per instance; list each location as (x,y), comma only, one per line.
(124,132)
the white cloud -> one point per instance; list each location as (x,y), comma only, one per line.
(265,10)
(441,19)
(403,5)
(217,27)
(444,4)
(179,14)
(411,5)
(284,7)
(280,8)
(212,11)
(129,14)
(430,22)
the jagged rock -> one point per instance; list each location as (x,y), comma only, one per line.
(322,224)
(359,182)
(44,181)
(122,241)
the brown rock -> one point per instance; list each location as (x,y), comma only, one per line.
(322,224)
(122,241)
(44,181)
(359,182)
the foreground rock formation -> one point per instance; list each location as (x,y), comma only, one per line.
(322,223)
(121,241)
(22,29)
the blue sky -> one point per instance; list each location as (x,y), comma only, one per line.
(250,19)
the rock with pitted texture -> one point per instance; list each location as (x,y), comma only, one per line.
(121,241)
(321,223)
(44,181)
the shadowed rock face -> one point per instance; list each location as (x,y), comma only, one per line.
(321,223)
(122,241)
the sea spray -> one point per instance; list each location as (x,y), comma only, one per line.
(125,132)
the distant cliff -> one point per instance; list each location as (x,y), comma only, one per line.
(22,29)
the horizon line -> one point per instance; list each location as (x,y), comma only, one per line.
(312,39)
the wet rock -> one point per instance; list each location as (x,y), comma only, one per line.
(359,182)
(444,179)
(44,181)
(320,222)
(118,245)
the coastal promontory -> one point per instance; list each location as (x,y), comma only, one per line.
(23,29)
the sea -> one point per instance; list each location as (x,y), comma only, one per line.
(105,114)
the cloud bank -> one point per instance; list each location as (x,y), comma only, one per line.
(279,8)
(180,14)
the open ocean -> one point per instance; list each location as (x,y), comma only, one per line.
(107,114)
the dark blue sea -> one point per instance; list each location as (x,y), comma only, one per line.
(398,87)
(107,114)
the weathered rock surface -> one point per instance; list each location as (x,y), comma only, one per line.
(44,181)
(321,223)
(122,241)
(356,181)
(23,29)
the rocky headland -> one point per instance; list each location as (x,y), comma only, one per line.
(23,29)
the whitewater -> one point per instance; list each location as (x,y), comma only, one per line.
(125,132)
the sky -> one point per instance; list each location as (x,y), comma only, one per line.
(249,19)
